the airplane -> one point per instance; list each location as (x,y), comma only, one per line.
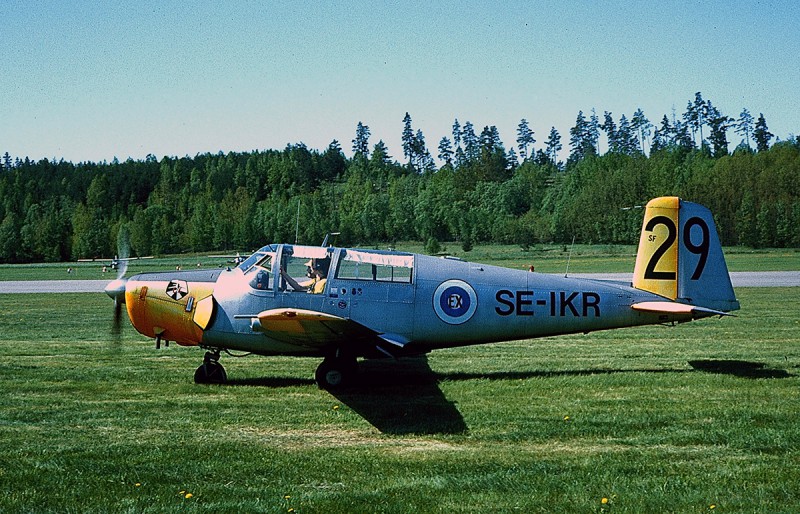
(116,261)
(236,259)
(342,304)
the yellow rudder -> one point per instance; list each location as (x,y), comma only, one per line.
(656,268)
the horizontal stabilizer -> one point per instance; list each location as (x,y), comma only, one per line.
(677,308)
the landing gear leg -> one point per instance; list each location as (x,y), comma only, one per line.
(211,371)
(336,372)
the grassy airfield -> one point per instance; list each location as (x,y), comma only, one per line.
(702,417)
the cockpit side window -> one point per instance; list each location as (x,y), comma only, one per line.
(379,267)
(304,269)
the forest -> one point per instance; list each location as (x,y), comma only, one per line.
(479,190)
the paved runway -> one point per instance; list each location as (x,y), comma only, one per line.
(53,286)
(739,279)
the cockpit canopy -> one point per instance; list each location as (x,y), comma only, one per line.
(258,256)
(338,263)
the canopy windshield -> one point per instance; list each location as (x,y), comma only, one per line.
(257,256)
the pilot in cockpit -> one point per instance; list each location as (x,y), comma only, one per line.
(316,271)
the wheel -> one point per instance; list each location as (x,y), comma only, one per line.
(210,373)
(335,373)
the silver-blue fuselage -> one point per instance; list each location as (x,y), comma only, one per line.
(445,303)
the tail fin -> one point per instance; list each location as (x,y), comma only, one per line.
(680,256)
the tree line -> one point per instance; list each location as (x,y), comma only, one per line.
(479,192)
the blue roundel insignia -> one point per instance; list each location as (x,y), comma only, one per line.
(455,302)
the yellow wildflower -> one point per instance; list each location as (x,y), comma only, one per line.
(604,501)
(188,495)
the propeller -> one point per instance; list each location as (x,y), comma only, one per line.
(116,288)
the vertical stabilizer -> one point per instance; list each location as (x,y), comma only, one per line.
(680,256)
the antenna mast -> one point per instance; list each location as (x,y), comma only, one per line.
(297,223)
(569,257)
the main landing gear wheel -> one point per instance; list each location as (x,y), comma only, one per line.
(335,373)
(211,371)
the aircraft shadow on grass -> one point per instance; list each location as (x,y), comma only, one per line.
(396,397)
(403,397)
(744,369)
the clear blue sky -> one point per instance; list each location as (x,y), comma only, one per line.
(90,81)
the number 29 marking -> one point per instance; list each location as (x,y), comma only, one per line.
(700,249)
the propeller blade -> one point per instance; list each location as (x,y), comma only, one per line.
(123,252)
(116,289)
(116,325)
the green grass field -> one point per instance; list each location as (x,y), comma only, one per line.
(701,417)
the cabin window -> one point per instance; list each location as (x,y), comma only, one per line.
(378,267)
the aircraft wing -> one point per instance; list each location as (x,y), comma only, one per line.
(677,308)
(311,328)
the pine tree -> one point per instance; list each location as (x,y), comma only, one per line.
(761,134)
(524,139)
(490,138)
(662,136)
(446,151)
(744,126)
(553,145)
(471,142)
(681,136)
(361,141)
(610,128)
(332,162)
(407,138)
(513,160)
(700,112)
(457,134)
(421,157)
(718,123)
(594,131)
(577,138)
(640,124)
(626,140)
(380,155)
